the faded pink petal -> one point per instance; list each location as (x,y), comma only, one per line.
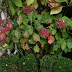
(51,39)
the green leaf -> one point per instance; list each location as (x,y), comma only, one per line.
(63,45)
(69,43)
(30,31)
(56,36)
(36,23)
(29,2)
(56,46)
(61,0)
(68,21)
(56,10)
(31,16)
(54,31)
(12,9)
(18,34)
(40,17)
(18,3)
(36,48)
(35,4)
(31,41)
(24,27)
(39,27)
(19,11)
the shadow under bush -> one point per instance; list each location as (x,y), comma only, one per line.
(28,64)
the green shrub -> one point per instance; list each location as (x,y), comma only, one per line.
(28,64)
(62,65)
(46,63)
(9,63)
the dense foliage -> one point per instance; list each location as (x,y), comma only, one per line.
(36,27)
(9,63)
(54,64)
(28,64)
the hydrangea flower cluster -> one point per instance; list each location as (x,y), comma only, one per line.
(60,23)
(7,27)
(44,33)
(29,9)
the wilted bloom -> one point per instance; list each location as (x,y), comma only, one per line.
(51,39)
(60,23)
(2,36)
(26,46)
(44,33)
(8,27)
(29,9)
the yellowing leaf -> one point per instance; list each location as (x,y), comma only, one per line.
(56,10)
(44,2)
(29,2)
(63,45)
(36,37)
(35,4)
(36,48)
(19,20)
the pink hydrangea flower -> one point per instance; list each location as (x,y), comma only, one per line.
(2,36)
(51,39)
(44,33)
(60,23)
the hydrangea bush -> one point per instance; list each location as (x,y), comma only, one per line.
(36,30)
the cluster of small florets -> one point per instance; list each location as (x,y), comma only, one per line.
(44,33)
(7,27)
(29,9)
(60,23)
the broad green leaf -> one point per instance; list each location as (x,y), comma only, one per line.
(63,45)
(25,21)
(36,48)
(31,41)
(18,3)
(39,27)
(54,31)
(61,0)
(12,9)
(24,27)
(31,16)
(19,11)
(29,2)
(68,21)
(56,46)
(36,23)
(35,4)
(44,2)
(69,43)
(56,36)
(40,17)
(30,30)
(18,33)
(56,10)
